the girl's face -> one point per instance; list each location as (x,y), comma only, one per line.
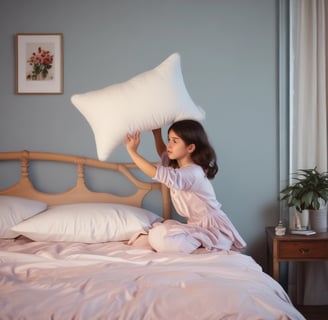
(178,150)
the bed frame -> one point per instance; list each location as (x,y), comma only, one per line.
(80,192)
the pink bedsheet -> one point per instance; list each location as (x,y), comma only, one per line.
(64,281)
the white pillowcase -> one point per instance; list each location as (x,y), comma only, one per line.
(13,210)
(150,100)
(88,223)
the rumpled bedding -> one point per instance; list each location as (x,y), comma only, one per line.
(114,280)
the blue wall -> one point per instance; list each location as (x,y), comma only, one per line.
(229,53)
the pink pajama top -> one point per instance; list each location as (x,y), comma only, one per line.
(194,198)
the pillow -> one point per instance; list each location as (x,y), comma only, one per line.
(150,100)
(87,222)
(13,210)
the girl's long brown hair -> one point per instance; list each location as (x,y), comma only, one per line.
(192,132)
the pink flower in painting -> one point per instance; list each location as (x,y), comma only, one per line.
(41,61)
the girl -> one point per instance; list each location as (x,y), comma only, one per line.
(188,162)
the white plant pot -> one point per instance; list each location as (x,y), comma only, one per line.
(304,216)
(318,219)
(299,220)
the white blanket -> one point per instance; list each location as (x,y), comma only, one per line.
(64,281)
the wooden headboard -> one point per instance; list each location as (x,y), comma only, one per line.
(80,192)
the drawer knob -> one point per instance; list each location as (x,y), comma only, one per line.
(304,250)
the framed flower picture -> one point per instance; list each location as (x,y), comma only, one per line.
(39,63)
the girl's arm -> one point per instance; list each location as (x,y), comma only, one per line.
(159,143)
(132,142)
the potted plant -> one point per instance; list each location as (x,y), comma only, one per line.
(309,192)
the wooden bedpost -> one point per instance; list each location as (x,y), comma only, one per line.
(25,164)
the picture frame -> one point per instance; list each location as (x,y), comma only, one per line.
(39,63)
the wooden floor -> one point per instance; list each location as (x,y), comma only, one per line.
(314,312)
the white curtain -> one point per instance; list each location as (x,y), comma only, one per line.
(309,100)
(308,122)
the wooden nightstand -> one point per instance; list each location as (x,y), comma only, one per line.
(294,248)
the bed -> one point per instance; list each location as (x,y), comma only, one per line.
(75,254)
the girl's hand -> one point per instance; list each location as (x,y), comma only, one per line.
(132,141)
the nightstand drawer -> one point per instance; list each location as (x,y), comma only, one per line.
(301,249)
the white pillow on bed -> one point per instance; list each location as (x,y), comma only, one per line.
(88,223)
(13,210)
(149,100)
